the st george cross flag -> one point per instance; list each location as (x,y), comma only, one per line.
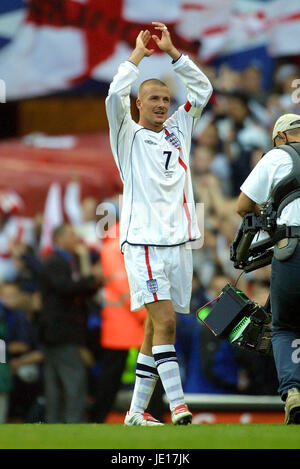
(51,45)
(52,218)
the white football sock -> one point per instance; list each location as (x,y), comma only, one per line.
(145,381)
(168,370)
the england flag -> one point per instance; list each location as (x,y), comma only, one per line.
(48,46)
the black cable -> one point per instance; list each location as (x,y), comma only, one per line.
(239,278)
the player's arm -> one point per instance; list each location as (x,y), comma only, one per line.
(118,99)
(117,102)
(256,189)
(198,86)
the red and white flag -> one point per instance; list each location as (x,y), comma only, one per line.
(60,43)
(53,217)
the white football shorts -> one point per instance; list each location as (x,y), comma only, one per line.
(159,273)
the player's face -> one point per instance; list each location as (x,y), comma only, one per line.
(153,105)
(68,239)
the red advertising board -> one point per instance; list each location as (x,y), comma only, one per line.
(200,417)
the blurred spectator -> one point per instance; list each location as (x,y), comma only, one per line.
(207,160)
(5,373)
(285,77)
(22,353)
(208,136)
(28,267)
(240,132)
(227,79)
(284,95)
(86,230)
(13,230)
(82,214)
(202,174)
(205,260)
(67,279)
(251,83)
(228,226)
(25,354)
(256,154)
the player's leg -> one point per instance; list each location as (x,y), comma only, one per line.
(179,269)
(146,373)
(164,330)
(145,381)
(150,286)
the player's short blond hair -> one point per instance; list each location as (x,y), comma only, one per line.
(150,81)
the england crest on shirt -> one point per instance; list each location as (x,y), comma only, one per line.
(171,138)
(152,285)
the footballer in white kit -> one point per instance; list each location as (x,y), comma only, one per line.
(158,206)
(158,217)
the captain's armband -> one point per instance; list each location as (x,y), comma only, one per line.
(194,111)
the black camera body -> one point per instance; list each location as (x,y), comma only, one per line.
(243,253)
(234,316)
(240,320)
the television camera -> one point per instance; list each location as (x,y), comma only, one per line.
(234,316)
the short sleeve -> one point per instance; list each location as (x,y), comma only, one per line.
(269,171)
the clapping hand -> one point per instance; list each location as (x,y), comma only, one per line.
(142,41)
(165,43)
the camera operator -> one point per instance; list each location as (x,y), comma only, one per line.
(270,174)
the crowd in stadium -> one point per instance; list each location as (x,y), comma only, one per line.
(231,136)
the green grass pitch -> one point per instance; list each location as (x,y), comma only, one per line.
(93,436)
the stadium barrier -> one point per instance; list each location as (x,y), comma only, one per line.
(216,408)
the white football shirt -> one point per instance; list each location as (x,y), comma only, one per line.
(272,168)
(158,205)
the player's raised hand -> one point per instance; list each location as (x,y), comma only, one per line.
(141,50)
(142,42)
(165,43)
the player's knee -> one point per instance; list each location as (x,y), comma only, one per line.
(167,325)
(148,334)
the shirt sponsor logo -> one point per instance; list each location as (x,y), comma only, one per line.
(168,174)
(152,285)
(150,142)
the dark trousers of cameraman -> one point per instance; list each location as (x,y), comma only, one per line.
(285,304)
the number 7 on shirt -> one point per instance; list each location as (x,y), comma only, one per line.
(168,153)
